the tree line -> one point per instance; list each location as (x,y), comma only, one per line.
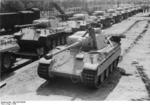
(44,5)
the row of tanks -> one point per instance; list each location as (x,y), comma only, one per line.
(113,16)
(37,39)
(104,19)
(88,56)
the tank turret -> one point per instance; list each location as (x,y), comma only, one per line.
(103,18)
(41,23)
(88,57)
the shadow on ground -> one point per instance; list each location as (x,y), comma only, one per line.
(6,75)
(64,87)
(11,72)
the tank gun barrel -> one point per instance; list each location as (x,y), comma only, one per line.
(79,42)
(27,25)
(49,56)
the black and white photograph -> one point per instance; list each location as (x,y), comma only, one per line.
(74,50)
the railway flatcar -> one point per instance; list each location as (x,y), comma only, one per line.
(9,20)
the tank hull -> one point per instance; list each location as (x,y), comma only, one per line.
(46,43)
(76,69)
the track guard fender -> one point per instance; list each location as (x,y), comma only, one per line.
(89,72)
(48,64)
(89,66)
(45,61)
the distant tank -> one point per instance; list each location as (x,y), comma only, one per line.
(122,13)
(89,57)
(8,46)
(81,19)
(131,11)
(94,22)
(115,15)
(38,38)
(103,18)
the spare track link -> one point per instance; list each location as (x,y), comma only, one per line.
(88,77)
(43,71)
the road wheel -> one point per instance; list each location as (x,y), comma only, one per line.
(48,44)
(106,72)
(63,40)
(111,68)
(115,64)
(102,77)
(54,44)
(59,41)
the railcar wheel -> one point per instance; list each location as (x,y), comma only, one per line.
(111,67)
(63,40)
(102,77)
(7,62)
(106,73)
(40,52)
(59,41)
(115,64)
(97,82)
(54,43)
(48,44)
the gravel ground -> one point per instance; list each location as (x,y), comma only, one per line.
(24,84)
(131,86)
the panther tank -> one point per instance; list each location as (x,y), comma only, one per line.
(115,15)
(122,12)
(8,46)
(103,18)
(89,57)
(38,38)
(81,19)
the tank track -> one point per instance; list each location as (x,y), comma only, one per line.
(43,71)
(88,78)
